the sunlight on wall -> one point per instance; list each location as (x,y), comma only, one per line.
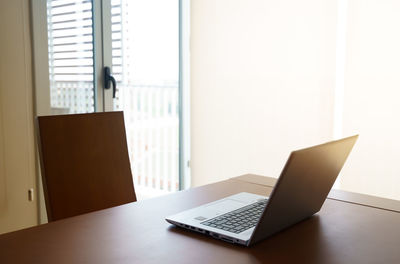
(272,76)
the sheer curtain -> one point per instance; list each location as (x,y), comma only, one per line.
(371,97)
(263,80)
(272,76)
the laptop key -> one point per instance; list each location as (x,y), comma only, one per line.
(238,220)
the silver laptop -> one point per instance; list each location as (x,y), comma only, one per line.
(300,191)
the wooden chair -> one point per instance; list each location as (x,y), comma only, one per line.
(84,163)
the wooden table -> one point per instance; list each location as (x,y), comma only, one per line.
(350,228)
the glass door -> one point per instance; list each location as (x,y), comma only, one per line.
(140,44)
(144,60)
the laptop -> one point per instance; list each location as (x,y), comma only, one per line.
(246,218)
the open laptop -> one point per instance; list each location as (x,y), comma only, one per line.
(300,191)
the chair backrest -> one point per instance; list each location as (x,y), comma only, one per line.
(84,163)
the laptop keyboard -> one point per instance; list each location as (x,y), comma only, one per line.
(238,220)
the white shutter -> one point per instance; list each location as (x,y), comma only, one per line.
(70,36)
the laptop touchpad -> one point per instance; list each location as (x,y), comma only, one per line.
(225,206)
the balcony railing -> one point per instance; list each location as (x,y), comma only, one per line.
(152,126)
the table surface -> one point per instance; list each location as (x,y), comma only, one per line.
(350,228)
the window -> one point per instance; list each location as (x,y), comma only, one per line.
(145,43)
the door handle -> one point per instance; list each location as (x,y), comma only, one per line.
(109,78)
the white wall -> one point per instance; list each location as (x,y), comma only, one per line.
(17,152)
(263,78)
(271,76)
